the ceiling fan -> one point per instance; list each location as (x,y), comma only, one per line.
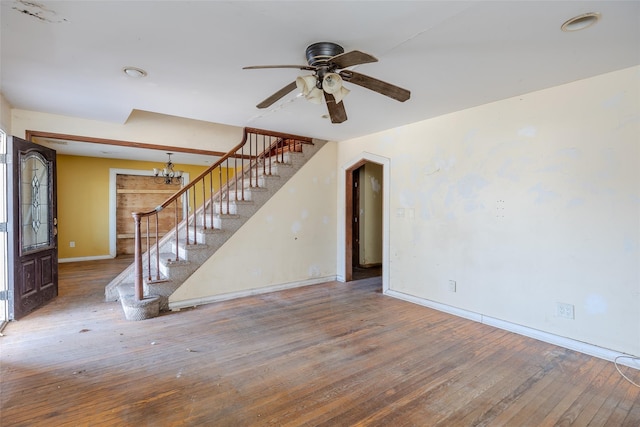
(328,61)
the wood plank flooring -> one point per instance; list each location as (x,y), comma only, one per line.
(334,354)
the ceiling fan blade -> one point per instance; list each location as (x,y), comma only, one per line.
(355,57)
(279,94)
(336,109)
(376,85)
(299,67)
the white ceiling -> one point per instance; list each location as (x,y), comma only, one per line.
(66,57)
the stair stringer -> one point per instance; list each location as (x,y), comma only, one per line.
(209,240)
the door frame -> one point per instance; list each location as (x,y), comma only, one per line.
(4,240)
(345,257)
(355,205)
(41,256)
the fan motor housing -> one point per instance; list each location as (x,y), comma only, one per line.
(319,53)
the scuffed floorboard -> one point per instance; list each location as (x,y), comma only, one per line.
(334,354)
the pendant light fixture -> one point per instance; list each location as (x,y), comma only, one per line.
(167,173)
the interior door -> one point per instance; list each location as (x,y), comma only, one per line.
(356,218)
(32,226)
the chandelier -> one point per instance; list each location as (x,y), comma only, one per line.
(167,173)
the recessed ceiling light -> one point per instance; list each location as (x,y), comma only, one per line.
(134,72)
(581,22)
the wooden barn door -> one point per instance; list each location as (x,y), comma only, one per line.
(135,193)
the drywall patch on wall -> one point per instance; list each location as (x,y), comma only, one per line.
(543,195)
(466,191)
(469,186)
(375,185)
(572,152)
(406,198)
(613,101)
(446,164)
(315,271)
(595,304)
(528,131)
(576,202)
(631,244)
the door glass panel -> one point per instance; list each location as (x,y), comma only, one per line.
(34,201)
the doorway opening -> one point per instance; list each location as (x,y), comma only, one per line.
(364,218)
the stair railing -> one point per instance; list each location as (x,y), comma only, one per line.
(209,195)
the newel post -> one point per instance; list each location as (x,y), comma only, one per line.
(138,258)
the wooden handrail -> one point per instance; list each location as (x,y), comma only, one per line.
(274,144)
(230,154)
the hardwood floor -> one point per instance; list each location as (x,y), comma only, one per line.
(326,355)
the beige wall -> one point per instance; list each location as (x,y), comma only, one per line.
(5,115)
(525,203)
(142,127)
(291,239)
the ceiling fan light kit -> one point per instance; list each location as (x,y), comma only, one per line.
(328,61)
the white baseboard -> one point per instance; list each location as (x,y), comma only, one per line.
(85,258)
(568,343)
(177,305)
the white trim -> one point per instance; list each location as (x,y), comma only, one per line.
(85,258)
(4,239)
(435,305)
(177,305)
(386,197)
(568,343)
(113,172)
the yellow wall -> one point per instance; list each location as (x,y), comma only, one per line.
(83,202)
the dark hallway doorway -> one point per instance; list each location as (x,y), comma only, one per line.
(363,246)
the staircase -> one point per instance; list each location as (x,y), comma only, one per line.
(220,201)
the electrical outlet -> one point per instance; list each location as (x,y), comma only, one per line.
(565,310)
(452,285)
(72,244)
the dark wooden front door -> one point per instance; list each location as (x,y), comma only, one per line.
(32,226)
